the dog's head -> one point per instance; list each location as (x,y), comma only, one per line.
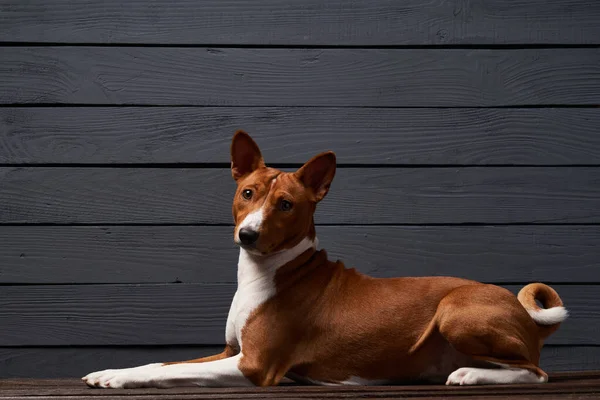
(273,210)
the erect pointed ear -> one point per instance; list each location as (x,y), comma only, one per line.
(245,155)
(318,173)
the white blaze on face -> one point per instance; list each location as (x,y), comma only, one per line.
(252,221)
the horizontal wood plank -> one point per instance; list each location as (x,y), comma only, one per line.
(583,385)
(314,22)
(585,381)
(299,392)
(299,77)
(176,314)
(473,136)
(358,195)
(114,314)
(206,254)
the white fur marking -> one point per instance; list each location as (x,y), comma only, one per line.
(252,221)
(223,372)
(549,316)
(255,285)
(482,376)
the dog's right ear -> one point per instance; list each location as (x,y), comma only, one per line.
(245,155)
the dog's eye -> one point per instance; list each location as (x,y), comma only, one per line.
(285,205)
(247,194)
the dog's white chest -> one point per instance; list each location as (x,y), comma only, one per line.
(245,301)
(256,285)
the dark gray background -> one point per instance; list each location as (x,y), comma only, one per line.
(467,135)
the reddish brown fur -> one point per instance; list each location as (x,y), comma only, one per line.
(329,323)
(333,323)
(547,296)
(281,229)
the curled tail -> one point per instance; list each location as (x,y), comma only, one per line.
(553,313)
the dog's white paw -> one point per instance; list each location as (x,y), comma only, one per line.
(466,376)
(501,376)
(127,378)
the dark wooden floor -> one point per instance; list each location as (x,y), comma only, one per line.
(580,385)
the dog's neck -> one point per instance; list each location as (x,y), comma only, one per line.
(254,267)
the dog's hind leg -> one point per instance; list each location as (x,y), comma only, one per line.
(487,376)
(488,324)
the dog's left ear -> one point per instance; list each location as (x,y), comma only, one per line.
(318,173)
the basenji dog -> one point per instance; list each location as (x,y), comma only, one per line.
(297,314)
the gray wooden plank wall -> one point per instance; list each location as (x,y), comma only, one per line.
(467,135)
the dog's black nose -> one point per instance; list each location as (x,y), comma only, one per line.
(248,236)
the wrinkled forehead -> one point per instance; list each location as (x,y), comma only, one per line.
(287,183)
(260,178)
(269,181)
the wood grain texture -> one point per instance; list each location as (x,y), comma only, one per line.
(114,314)
(314,22)
(358,195)
(575,382)
(206,254)
(578,381)
(299,77)
(572,391)
(177,314)
(583,385)
(542,136)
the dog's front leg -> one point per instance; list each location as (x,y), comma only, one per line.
(229,351)
(225,372)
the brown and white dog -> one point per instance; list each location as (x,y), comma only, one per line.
(296,314)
